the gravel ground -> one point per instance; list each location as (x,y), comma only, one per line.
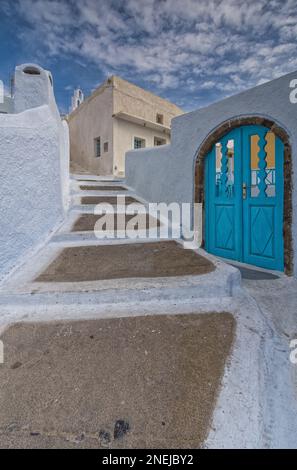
(121,383)
(139,260)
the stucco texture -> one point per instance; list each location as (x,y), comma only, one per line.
(93,119)
(148,169)
(99,116)
(31,203)
(34,167)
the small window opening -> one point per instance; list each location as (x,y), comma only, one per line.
(159,141)
(139,143)
(160,119)
(98,147)
(105,147)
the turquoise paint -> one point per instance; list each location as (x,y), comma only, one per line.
(246,229)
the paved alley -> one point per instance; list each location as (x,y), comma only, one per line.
(75,384)
(94,329)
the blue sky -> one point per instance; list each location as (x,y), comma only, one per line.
(191,52)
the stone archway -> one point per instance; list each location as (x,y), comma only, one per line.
(218,133)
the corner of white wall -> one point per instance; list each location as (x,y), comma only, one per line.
(65,164)
(34,176)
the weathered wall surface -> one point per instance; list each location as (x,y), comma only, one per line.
(96,117)
(167,173)
(92,119)
(32,88)
(64,149)
(134,100)
(7,105)
(124,133)
(33,168)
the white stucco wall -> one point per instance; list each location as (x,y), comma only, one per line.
(34,154)
(6,105)
(124,133)
(32,90)
(64,144)
(166,174)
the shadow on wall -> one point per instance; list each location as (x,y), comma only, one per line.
(34,166)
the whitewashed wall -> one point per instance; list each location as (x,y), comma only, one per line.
(167,173)
(34,167)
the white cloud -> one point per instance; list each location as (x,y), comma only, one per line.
(226,45)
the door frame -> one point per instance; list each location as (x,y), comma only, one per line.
(199,172)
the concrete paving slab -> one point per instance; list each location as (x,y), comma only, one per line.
(139,260)
(86,222)
(102,188)
(133,382)
(21,288)
(113,200)
(254,274)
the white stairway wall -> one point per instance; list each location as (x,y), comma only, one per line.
(34,169)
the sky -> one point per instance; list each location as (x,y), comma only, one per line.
(192,52)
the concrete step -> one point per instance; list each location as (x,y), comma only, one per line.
(25,290)
(77,195)
(117,185)
(87,199)
(80,226)
(64,303)
(212,292)
(90,177)
(42,309)
(89,238)
(84,202)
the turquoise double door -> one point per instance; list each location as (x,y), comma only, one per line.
(244,191)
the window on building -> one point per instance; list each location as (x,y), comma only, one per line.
(159,141)
(160,119)
(98,147)
(105,147)
(139,143)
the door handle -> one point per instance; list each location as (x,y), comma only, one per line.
(244,190)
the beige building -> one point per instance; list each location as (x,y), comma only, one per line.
(117,117)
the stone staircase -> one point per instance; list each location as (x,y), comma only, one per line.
(87,191)
(76,274)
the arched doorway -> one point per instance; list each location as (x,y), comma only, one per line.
(243,179)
